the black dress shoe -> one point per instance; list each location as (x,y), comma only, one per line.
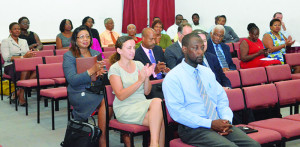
(23,105)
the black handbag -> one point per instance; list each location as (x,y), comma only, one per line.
(81,134)
(98,86)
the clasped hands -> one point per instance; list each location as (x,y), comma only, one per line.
(161,67)
(221,126)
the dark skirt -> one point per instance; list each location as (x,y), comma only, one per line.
(84,104)
(9,70)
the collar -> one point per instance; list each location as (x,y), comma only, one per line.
(188,68)
(180,44)
(214,43)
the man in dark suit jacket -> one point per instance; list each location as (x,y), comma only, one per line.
(174,52)
(142,53)
(216,39)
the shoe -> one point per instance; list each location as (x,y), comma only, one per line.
(23,105)
(13,101)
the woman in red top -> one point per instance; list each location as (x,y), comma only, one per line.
(252,50)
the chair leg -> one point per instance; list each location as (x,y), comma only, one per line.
(38,108)
(291,109)
(56,106)
(46,102)
(69,109)
(297,108)
(26,101)
(145,140)
(131,140)
(2,90)
(16,98)
(52,110)
(9,81)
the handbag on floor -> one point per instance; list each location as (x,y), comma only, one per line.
(81,134)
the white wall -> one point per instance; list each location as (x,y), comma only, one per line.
(45,16)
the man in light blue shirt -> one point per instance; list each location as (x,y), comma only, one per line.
(188,88)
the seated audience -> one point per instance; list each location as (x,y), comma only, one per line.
(83,100)
(196,24)
(173,53)
(12,48)
(131,31)
(230,35)
(109,37)
(278,15)
(276,42)
(220,49)
(172,30)
(150,53)
(130,82)
(184,21)
(63,39)
(89,22)
(157,18)
(186,89)
(252,50)
(211,61)
(32,38)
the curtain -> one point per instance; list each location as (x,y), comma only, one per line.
(134,12)
(165,10)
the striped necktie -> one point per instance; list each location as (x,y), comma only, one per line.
(221,57)
(151,57)
(210,106)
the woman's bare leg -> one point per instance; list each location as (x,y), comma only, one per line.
(101,122)
(24,76)
(154,119)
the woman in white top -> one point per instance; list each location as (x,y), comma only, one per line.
(14,47)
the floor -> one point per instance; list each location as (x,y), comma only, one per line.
(19,130)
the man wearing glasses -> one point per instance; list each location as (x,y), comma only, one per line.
(220,49)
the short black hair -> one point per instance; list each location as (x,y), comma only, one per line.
(276,14)
(156,22)
(22,18)
(186,39)
(273,21)
(12,24)
(63,23)
(178,16)
(251,27)
(155,17)
(85,20)
(223,16)
(195,14)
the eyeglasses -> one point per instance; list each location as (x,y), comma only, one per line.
(82,37)
(220,36)
(25,23)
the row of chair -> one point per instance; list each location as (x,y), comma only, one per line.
(53,47)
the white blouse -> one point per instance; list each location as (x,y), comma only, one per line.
(10,48)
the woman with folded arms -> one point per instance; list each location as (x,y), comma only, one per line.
(130,82)
(84,101)
(63,39)
(32,38)
(252,50)
(12,48)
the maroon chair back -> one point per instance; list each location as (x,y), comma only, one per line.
(234,77)
(292,59)
(110,96)
(27,64)
(109,49)
(61,51)
(107,63)
(236,99)
(253,76)
(54,59)
(44,53)
(288,91)
(49,71)
(279,73)
(108,54)
(236,61)
(48,47)
(230,46)
(260,96)
(236,45)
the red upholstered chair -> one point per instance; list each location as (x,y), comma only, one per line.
(263,136)
(253,76)
(4,77)
(232,51)
(234,77)
(293,60)
(29,64)
(54,59)
(178,143)
(262,95)
(237,61)
(50,71)
(108,49)
(114,124)
(60,51)
(48,47)
(278,73)
(108,54)
(44,53)
(236,45)
(288,94)
(293,117)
